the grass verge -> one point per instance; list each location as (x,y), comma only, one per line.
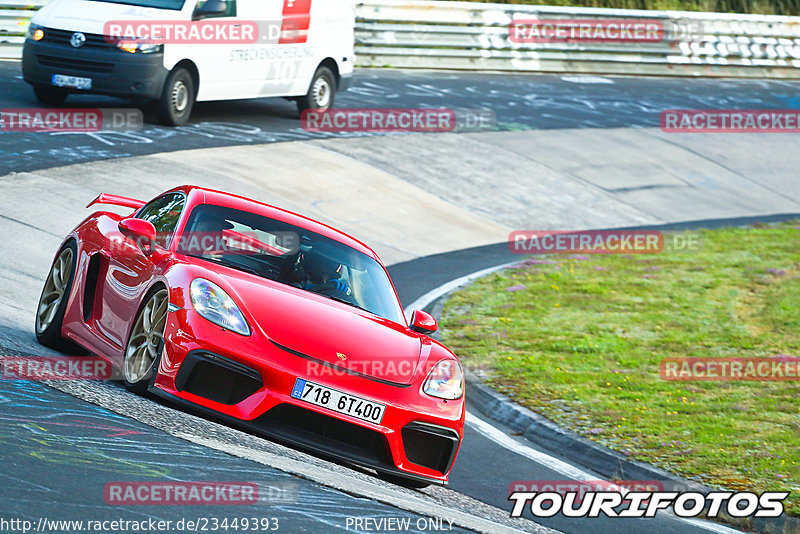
(764,7)
(579,339)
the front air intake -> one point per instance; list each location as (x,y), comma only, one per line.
(216,378)
(430,445)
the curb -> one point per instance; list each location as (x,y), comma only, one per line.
(567,444)
(608,463)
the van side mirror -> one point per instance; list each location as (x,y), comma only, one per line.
(423,322)
(210,8)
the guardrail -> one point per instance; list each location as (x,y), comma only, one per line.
(14,17)
(475,36)
(467,35)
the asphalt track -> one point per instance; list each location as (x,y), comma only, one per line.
(62,450)
(541,102)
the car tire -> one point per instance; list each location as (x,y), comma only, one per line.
(53,300)
(321,93)
(50,96)
(145,341)
(177,99)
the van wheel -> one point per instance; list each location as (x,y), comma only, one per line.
(321,93)
(177,100)
(51,96)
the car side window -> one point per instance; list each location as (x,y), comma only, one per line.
(164,212)
(230,10)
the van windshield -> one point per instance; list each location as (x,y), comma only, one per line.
(177,5)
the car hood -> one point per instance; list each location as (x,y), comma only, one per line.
(334,337)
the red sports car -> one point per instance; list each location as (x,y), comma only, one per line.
(264,318)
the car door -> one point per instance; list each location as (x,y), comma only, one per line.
(130,270)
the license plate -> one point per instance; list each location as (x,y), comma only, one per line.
(338,401)
(60,80)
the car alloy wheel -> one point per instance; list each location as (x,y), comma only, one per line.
(54,290)
(146,340)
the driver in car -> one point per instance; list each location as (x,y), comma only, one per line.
(207,237)
(323,275)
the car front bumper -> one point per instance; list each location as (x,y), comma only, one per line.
(112,71)
(247,382)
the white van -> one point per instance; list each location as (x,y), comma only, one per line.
(68,50)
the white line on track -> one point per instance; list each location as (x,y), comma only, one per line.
(551,462)
(444,289)
(570,471)
(500,437)
(380,493)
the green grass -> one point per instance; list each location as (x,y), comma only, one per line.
(765,7)
(581,338)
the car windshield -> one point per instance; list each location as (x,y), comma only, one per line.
(176,5)
(290,255)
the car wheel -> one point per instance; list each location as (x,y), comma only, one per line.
(404,482)
(321,93)
(145,342)
(53,301)
(51,96)
(177,100)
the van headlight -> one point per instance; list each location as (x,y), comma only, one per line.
(132,47)
(212,303)
(445,381)
(35,33)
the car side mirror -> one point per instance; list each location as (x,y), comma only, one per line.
(141,231)
(210,8)
(423,322)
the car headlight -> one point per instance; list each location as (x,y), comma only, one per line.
(35,33)
(445,381)
(212,303)
(133,46)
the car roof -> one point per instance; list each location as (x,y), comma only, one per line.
(201,195)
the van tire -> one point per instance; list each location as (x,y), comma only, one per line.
(177,99)
(51,96)
(321,93)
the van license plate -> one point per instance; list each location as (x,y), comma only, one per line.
(60,80)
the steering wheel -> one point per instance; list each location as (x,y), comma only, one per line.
(339,294)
